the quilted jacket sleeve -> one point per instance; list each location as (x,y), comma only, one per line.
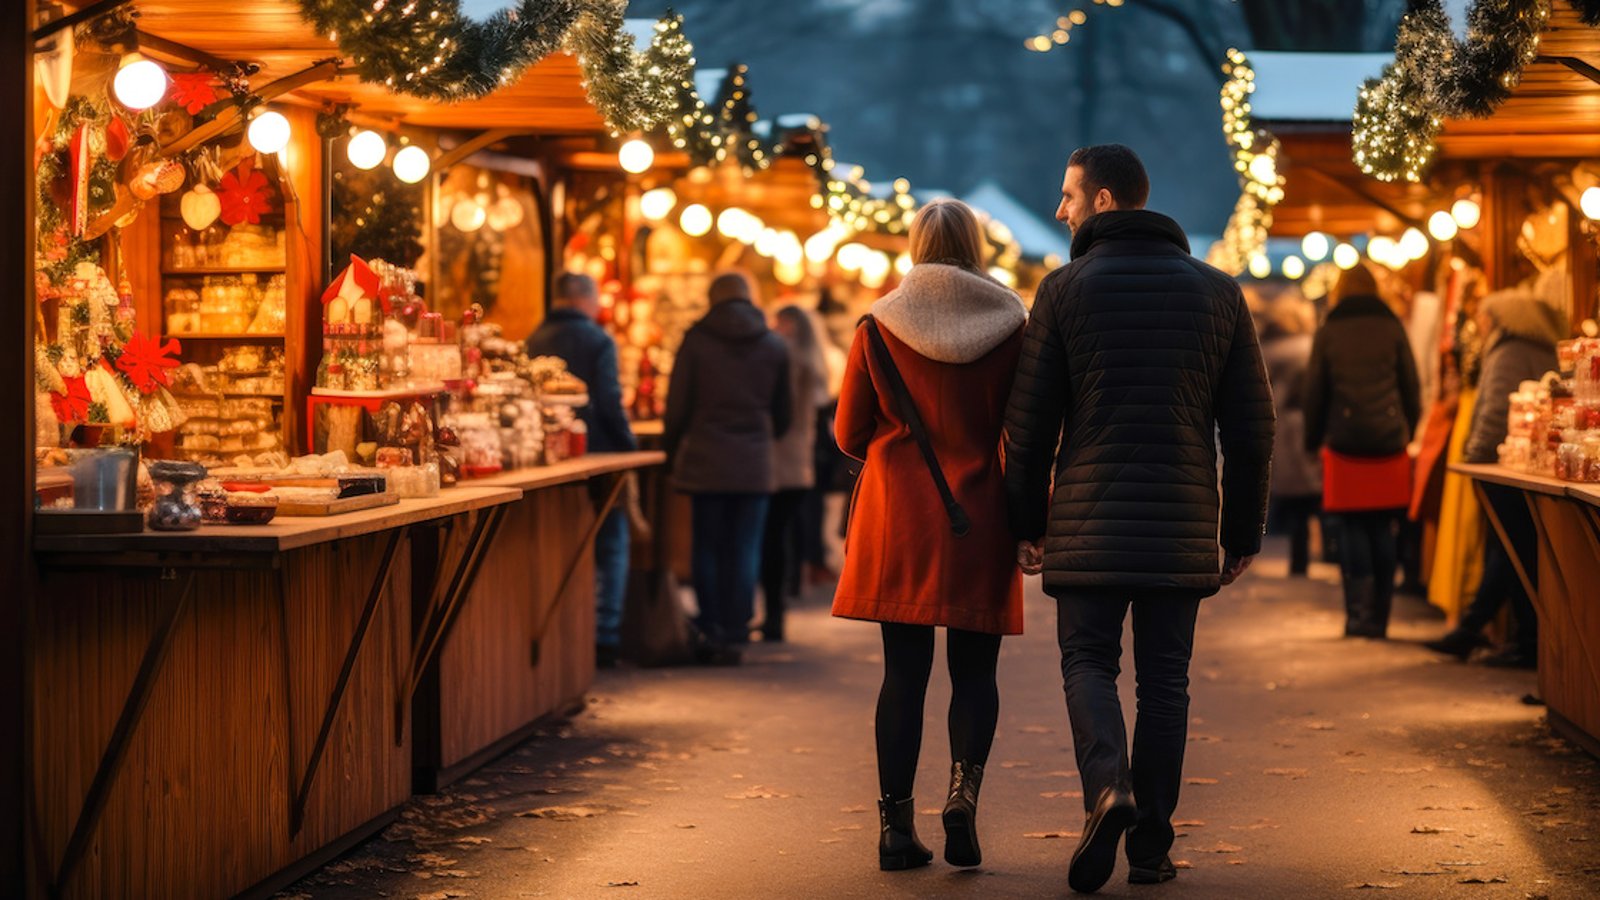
(1246,422)
(1034,418)
(856,421)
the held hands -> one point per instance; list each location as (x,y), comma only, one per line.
(1233,567)
(1030,557)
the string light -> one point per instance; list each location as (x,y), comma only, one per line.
(1260,266)
(1315,246)
(657,204)
(412,164)
(1589,202)
(140,83)
(1294,268)
(1442,226)
(1346,256)
(1467,213)
(1414,244)
(695,220)
(636,157)
(1255,158)
(366,150)
(1061,33)
(269,132)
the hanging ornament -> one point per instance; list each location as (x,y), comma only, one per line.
(193,91)
(118,140)
(146,362)
(80,163)
(71,404)
(200,207)
(156,178)
(108,394)
(243,193)
(52,67)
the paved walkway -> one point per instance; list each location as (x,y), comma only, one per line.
(1317,767)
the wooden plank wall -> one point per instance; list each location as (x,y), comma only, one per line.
(1569,613)
(488,687)
(201,808)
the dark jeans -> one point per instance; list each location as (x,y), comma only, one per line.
(610,577)
(1089,628)
(974,700)
(780,558)
(1294,516)
(1500,582)
(727,560)
(1369,555)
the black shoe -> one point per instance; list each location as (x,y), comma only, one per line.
(772,635)
(1458,643)
(961,815)
(1512,659)
(1158,873)
(898,847)
(1096,856)
(605,656)
(717,655)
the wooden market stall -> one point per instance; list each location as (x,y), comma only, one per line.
(213,711)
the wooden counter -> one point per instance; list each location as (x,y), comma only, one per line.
(1564,584)
(520,646)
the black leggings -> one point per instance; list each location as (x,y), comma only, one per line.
(974,700)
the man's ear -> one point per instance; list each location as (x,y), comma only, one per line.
(1103,200)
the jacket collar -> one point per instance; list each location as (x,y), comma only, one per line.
(560,314)
(1128,225)
(1358,305)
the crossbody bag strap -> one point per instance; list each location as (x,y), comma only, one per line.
(959,524)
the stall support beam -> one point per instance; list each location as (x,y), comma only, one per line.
(116,750)
(1505,541)
(380,580)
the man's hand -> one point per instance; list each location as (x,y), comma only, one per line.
(1030,556)
(1233,567)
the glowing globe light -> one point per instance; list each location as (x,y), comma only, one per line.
(1294,268)
(636,157)
(1590,203)
(1316,246)
(1382,249)
(269,132)
(902,263)
(1346,256)
(1414,244)
(853,256)
(412,164)
(1467,213)
(140,84)
(367,150)
(1442,226)
(695,220)
(468,215)
(656,205)
(1260,266)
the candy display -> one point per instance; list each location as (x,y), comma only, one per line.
(176,507)
(1553,427)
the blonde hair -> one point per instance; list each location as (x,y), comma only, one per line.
(1358,281)
(947,231)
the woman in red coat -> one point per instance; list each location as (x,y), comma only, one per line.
(954,335)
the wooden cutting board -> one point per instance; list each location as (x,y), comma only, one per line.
(336,507)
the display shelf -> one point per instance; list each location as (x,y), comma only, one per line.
(221,336)
(224,270)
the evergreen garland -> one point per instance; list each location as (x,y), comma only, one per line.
(428,49)
(59,250)
(689,124)
(1502,37)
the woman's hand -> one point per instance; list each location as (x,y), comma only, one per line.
(1030,557)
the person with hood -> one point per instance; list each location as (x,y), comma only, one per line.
(794,459)
(728,401)
(1523,331)
(1363,404)
(1296,474)
(1139,362)
(928,545)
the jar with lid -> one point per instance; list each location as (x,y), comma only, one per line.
(176,507)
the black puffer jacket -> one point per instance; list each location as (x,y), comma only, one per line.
(1135,354)
(1362,394)
(728,402)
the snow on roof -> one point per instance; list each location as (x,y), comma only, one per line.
(1310,87)
(1037,238)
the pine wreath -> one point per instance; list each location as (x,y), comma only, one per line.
(1502,37)
(429,49)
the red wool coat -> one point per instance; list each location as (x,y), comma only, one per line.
(902,562)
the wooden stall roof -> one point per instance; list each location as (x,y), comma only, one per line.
(1324,191)
(779,195)
(1553,113)
(549,98)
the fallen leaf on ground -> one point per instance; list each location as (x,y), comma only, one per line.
(1182,864)
(1477,879)
(931,811)
(1287,773)
(1188,823)
(1221,847)
(1461,864)
(1061,773)
(803,750)
(1052,835)
(759,793)
(686,825)
(474,839)
(1408,770)
(832,841)
(1200,781)
(1016,764)
(1060,795)
(1416,872)
(621,884)
(1036,729)
(847,828)
(1204,739)
(563,813)
(1431,829)
(1321,726)
(852,809)
(1237,862)
(1374,886)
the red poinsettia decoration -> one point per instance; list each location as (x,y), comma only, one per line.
(192,90)
(146,363)
(243,192)
(73,406)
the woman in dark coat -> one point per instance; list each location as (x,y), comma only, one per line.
(954,334)
(1363,403)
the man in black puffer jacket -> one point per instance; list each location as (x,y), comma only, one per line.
(1135,355)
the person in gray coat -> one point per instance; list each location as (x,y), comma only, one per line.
(729,400)
(794,458)
(1296,474)
(1523,332)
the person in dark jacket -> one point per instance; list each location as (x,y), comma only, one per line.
(728,401)
(571,333)
(1135,356)
(1363,402)
(1523,332)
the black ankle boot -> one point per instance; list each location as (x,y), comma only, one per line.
(961,815)
(898,847)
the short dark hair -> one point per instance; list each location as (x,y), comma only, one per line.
(1116,168)
(572,286)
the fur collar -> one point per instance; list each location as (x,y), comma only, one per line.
(950,314)
(1521,314)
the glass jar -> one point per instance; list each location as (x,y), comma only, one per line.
(176,507)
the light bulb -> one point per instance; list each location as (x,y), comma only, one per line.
(789,274)
(468,215)
(820,246)
(731,223)
(853,256)
(1264,169)
(657,204)
(789,252)
(1414,243)
(1294,268)
(1590,202)
(1381,249)
(367,150)
(636,157)
(1315,246)
(140,83)
(695,220)
(411,164)
(1346,256)
(1442,226)
(1467,213)
(767,242)
(1260,266)
(269,132)
(902,263)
